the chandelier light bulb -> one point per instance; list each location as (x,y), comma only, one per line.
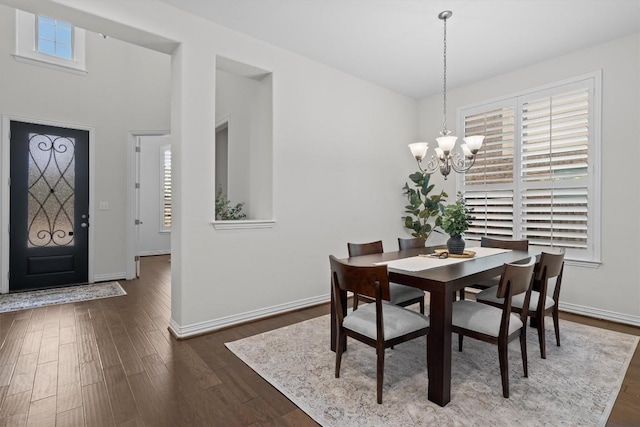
(446,143)
(419,150)
(474,142)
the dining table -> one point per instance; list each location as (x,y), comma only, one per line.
(442,278)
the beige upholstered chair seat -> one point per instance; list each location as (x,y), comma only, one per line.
(397,321)
(402,293)
(482,318)
(489,295)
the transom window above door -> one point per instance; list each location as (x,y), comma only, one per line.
(49,42)
(55,37)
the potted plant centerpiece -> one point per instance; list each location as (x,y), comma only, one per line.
(456,219)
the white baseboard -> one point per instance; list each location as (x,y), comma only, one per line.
(109,277)
(156,252)
(600,314)
(181,332)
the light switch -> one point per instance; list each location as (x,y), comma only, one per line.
(104,206)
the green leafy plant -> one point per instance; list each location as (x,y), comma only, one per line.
(224,210)
(456,218)
(424,210)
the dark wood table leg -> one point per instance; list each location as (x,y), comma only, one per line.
(439,347)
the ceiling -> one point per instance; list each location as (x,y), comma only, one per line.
(398,44)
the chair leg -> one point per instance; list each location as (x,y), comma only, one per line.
(339,347)
(355,302)
(460,336)
(523,350)
(504,367)
(379,372)
(556,325)
(462,295)
(541,337)
(422,307)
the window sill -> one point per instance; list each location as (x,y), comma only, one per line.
(244,224)
(51,65)
(582,263)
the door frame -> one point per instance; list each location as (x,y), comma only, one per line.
(5,192)
(133,195)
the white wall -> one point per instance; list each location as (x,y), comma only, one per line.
(613,289)
(153,240)
(126,88)
(339,162)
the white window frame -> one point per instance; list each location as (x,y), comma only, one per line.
(26,49)
(164,228)
(591,257)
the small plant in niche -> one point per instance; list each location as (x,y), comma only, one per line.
(226,212)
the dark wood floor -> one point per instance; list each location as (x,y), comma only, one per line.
(113,362)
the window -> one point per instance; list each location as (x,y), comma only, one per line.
(54,37)
(46,41)
(536,176)
(165,180)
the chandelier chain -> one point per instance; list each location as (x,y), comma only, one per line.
(444,86)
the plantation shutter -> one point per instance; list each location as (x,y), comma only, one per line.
(536,175)
(489,184)
(492,212)
(166,187)
(555,169)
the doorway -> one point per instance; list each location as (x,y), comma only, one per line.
(150,181)
(48,206)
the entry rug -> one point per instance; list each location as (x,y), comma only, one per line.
(575,386)
(33,299)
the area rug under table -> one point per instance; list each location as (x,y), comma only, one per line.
(576,385)
(33,299)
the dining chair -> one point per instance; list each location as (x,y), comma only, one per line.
(492,242)
(380,325)
(498,326)
(401,295)
(550,266)
(411,243)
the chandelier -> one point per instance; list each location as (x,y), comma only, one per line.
(445,159)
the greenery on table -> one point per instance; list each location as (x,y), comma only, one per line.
(425,211)
(224,210)
(456,217)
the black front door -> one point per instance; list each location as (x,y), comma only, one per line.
(49,213)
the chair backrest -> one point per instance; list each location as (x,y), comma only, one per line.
(551,265)
(516,245)
(357,249)
(516,278)
(371,281)
(415,242)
